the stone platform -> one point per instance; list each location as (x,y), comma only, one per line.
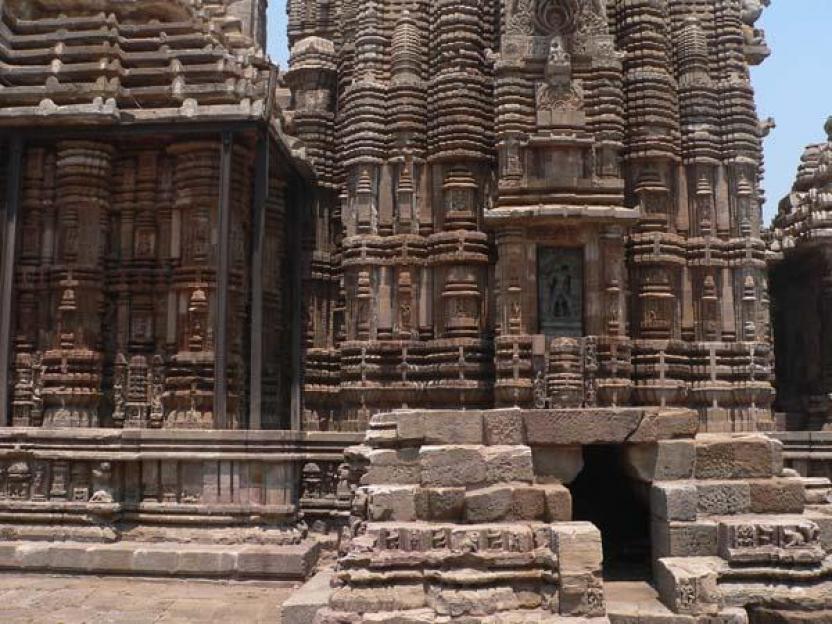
(214,504)
(48,599)
(288,562)
(472,516)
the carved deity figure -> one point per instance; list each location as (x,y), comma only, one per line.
(560,292)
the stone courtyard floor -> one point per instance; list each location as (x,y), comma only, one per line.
(41,599)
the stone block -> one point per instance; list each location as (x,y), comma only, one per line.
(294,561)
(402,597)
(580,426)
(506,464)
(581,595)
(684,539)
(446,503)
(723,497)
(36,555)
(665,424)
(198,562)
(303,604)
(665,460)
(557,464)
(674,500)
(504,427)
(453,427)
(578,547)
(726,457)
(783,496)
(558,503)
(393,466)
(689,585)
(117,558)
(489,504)
(452,466)
(528,503)
(400,503)
(159,561)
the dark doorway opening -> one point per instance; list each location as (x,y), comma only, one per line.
(619,506)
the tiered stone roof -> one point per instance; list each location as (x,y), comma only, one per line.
(112,61)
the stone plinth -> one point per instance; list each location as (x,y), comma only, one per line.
(467,516)
(163,502)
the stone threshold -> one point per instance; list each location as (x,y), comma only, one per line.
(228,562)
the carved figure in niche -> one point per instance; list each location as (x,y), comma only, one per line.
(39,481)
(560,285)
(19,478)
(344,488)
(560,292)
(145,244)
(102,477)
(311,481)
(746,536)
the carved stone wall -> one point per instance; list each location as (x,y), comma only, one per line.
(802,293)
(470,140)
(117,294)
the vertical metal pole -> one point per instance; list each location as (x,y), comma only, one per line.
(223,269)
(261,194)
(298,211)
(11,206)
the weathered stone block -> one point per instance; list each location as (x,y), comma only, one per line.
(684,539)
(777,496)
(446,503)
(557,464)
(581,595)
(580,426)
(453,427)
(558,503)
(723,497)
(393,466)
(689,585)
(490,504)
(674,501)
(529,503)
(109,558)
(505,464)
(665,460)
(452,466)
(578,547)
(504,427)
(665,424)
(724,457)
(402,597)
(303,604)
(402,503)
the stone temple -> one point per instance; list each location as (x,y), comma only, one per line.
(469,316)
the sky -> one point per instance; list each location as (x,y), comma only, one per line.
(794,86)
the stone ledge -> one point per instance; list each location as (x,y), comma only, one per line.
(308,600)
(292,562)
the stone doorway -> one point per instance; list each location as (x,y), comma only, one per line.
(604,494)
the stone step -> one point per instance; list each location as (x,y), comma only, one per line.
(237,561)
(637,602)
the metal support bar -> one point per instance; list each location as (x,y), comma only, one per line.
(258,237)
(298,209)
(223,270)
(10,211)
